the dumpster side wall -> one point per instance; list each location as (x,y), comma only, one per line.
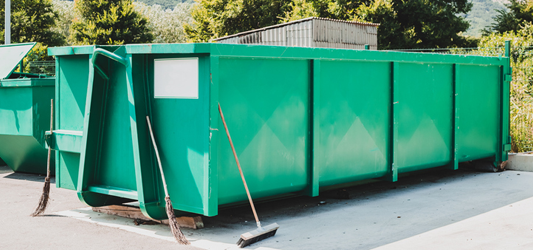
(370,119)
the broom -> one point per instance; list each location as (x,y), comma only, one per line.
(172,222)
(43,202)
(260,233)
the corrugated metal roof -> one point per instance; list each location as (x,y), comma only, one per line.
(293,22)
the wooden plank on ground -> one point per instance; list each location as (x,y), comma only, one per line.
(136,214)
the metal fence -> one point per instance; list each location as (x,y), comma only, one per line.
(521,105)
(41,67)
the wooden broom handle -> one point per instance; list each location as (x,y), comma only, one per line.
(157,156)
(239,165)
(51,131)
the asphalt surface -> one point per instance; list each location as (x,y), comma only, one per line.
(19,195)
(440,209)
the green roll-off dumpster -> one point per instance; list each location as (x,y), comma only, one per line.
(302,119)
(24,112)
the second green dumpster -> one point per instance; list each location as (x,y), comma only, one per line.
(24,112)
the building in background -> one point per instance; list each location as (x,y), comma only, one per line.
(311,32)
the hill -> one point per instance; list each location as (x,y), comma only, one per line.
(166,4)
(481,15)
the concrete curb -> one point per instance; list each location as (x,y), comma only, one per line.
(520,162)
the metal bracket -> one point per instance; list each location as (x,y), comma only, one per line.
(508,78)
(507,147)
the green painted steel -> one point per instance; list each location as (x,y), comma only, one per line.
(302,120)
(352,142)
(24,112)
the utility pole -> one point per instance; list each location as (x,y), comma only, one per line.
(7,33)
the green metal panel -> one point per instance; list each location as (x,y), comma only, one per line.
(71,92)
(115,142)
(425,104)
(353,114)
(267,115)
(301,119)
(182,134)
(72,77)
(478,94)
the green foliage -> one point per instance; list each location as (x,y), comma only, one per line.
(66,14)
(418,23)
(109,22)
(335,9)
(404,23)
(38,61)
(31,21)
(217,18)
(518,13)
(167,25)
(521,100)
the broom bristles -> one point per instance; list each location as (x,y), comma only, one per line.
(173,224)
(43,202)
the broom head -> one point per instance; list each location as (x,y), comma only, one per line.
(257,235)
(173,224)
(43,202)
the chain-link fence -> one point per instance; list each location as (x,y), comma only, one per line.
(521,100)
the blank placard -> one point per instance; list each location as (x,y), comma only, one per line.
(176,78)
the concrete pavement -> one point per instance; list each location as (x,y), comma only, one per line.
(440,209)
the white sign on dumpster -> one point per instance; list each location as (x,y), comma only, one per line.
(176,78)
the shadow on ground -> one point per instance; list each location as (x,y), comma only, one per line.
(379,213)
(24,176)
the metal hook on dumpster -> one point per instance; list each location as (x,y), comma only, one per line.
(109,55)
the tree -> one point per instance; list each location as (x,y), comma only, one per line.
(109,22)
(404,23)
(418,23)
(167,24)
(335,9)
(66,14)
(31,21)
(519,12)
(217,18)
